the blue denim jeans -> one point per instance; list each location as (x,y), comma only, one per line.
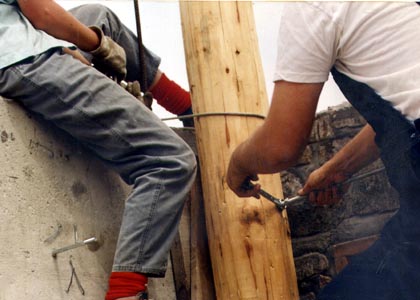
(111,25)
(126,135)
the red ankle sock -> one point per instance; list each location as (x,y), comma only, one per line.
(125,284)
(171,96)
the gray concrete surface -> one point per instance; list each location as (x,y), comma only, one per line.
(50,185)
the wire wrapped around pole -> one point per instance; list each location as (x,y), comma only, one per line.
(209,114)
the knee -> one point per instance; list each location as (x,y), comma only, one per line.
(95,8)
(88,9)
(95,13)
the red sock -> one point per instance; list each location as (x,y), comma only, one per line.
(171,96)
(125,284)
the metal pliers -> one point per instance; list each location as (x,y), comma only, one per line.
(283,203)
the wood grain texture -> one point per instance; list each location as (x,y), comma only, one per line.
(249,240)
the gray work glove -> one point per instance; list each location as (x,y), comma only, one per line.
(134,89)
(109,57)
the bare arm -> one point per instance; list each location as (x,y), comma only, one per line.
(355,155)
(50,17)
(279,142)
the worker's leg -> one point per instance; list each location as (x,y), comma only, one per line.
(127,136)
(386,271)
(168,93)
(111,25)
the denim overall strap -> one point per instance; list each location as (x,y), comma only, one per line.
(378,112)
(394,133)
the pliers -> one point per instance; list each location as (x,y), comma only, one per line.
(283,203)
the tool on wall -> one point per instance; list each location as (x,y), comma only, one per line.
(92,243)
(92,240)
(283,203)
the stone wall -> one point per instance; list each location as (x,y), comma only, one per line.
(322,236)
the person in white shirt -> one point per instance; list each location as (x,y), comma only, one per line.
(372,50)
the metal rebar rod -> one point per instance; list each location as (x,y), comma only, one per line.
(73,246)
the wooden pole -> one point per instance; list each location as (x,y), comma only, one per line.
(249,240)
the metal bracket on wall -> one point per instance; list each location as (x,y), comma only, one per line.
(92,242)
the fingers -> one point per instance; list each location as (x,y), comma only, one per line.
(327,196)
(238,178)
(249,190)
(243,187)
(133,87)
(323,187)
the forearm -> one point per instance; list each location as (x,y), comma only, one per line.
(258,156)
(48,16)
(355,155)
(279,142)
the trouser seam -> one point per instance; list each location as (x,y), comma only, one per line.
(148,228)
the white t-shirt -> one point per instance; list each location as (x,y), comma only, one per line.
(19,39)
(377,43)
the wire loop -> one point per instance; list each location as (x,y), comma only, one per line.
(215,114)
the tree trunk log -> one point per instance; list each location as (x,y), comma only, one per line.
(249,239)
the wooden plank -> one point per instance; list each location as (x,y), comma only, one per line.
(343,251)
(180,255)
(249,239)
(182,285)
(202,285)
(193,238)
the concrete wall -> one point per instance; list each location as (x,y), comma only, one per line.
(50,185)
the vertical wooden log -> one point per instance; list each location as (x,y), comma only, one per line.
(249,240)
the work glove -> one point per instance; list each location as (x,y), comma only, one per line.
(109,57)
(134,89)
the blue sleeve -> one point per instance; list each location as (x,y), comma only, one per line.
(8,1)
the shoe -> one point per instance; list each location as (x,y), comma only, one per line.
(139,296)
(188,122)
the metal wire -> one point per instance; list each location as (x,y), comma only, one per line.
(215,114)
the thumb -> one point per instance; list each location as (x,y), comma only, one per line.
(301,192)
(309,192)
(306,189)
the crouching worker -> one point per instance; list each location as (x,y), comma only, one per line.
(97,111)
(372,50)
